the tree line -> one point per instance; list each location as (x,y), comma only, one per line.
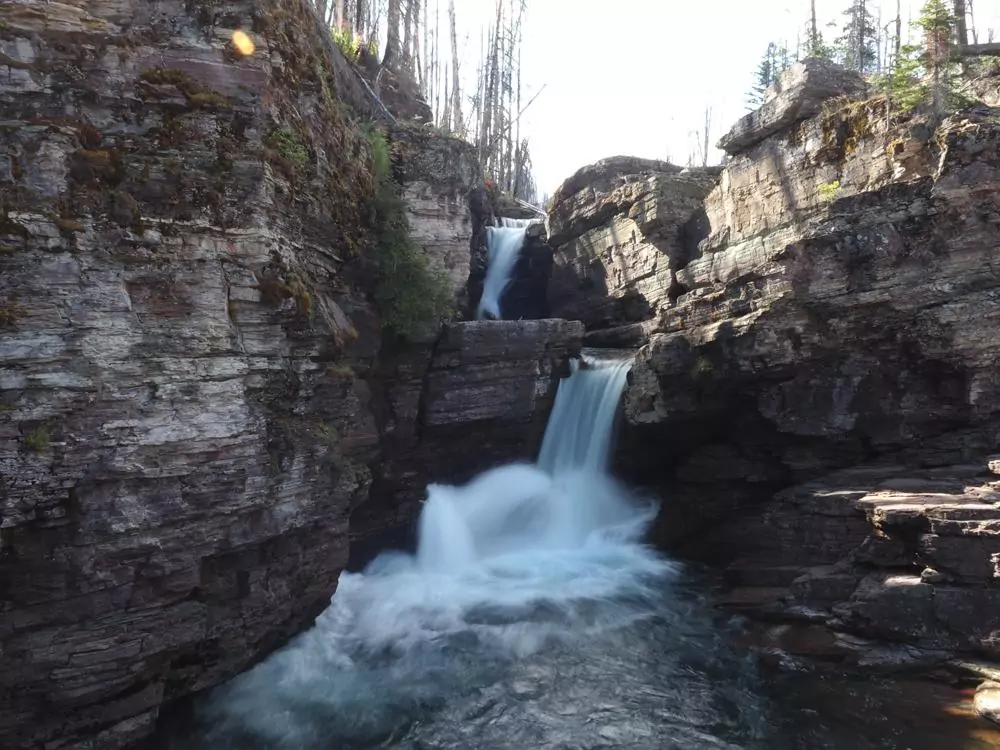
(916,64)
(422,43)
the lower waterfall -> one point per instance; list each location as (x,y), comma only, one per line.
(530,616)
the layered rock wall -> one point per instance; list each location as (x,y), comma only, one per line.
(619,230)
(184,336)
(841,313)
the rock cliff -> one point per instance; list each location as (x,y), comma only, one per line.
(619,230)
(185,332)
(834,338)
(194,392)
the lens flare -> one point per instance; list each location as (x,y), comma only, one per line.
(243,43)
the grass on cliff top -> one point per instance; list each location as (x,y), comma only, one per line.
(411,296)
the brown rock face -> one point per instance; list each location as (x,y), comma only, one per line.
(619,229)
(442,185)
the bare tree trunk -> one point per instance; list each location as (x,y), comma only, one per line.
(706,136)
(408,35)
(961,29)
(360,18)
(899,28)
(390,59)
(322,7)
(813,29)
(456,86)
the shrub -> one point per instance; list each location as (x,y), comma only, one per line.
(411,296)
(287,144)
(37,440)
(352,45)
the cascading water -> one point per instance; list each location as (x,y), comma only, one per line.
(580,429)
(531,616)
(503,245)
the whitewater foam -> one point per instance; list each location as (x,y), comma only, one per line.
(520,559)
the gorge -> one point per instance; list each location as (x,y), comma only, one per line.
(215,401)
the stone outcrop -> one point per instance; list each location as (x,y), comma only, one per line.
(484,400)
(194,392)
(840,313)
(800,92)
(444,193)
(184,336)
(619,230)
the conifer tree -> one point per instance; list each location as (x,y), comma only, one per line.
(858,44)
(775,60)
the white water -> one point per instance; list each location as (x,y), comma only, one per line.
(581,427)
(520,559)
(504,245)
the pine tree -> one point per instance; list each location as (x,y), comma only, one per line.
(858,45)
(928,74)
(770,67)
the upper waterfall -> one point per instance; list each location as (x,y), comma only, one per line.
(581,427)
(504,245)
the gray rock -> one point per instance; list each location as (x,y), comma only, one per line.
(799,93)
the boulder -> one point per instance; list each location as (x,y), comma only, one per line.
(619,229)
(799,93)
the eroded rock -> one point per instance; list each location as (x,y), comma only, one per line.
(619,229)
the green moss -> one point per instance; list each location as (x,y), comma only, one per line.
(828,190)
(290,147)
(10,314)
(97,164)
(410,295)
(846,123)
(37,440)
(210,99)
(273,291)
(702,368)
(196,94)
(167,77)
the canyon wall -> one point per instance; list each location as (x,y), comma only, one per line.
(195,395)
(816,396)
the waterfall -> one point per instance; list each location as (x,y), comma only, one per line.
(581,427)
(504,245)
(520,559)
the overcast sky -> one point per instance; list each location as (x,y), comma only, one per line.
(635,76)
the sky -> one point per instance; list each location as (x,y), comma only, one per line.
(635,77)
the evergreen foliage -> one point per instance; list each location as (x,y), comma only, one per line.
(857,47)
(412,298)
(776,59)
(927,74)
